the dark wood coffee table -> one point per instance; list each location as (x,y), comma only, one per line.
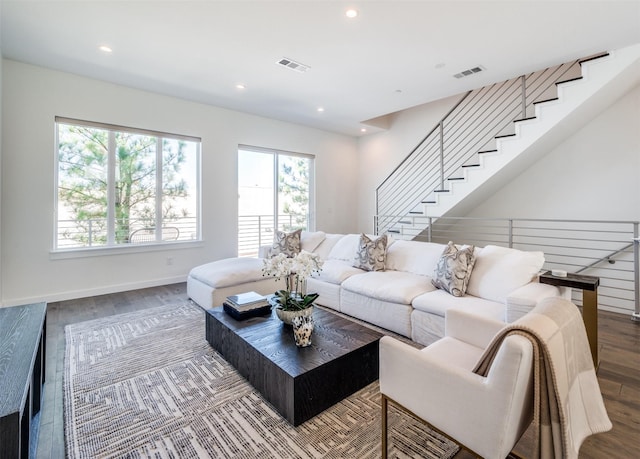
(298,382)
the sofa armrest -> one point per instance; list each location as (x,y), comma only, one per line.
(402,365)
(523,299)
(471,328)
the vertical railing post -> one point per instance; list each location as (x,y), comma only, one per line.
(430,222)
(523,89)
(375,218)
(636,271)
(510,233)
(442,155)
(375,225)
(259,231)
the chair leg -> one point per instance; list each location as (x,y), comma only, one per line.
(383,416)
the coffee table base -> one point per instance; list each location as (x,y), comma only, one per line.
(299,382)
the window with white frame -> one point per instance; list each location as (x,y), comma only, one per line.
(275,192)
(122,187)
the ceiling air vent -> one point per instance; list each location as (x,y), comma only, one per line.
(472,71)
(293,65)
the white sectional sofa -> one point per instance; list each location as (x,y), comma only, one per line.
(503,284)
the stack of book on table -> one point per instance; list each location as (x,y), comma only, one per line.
(245,305)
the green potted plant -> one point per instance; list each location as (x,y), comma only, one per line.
(293,300)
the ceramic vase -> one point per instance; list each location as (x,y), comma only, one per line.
(288,316)
(302,329)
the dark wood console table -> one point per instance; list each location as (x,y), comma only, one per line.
(22,360)
(589,287)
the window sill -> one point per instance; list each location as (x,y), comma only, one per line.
(107,251)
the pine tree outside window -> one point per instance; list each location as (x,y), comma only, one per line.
(122,187)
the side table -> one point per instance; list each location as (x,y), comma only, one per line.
(589,287)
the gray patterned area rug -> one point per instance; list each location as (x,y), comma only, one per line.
(148,385)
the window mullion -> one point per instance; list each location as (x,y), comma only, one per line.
(311,217)
(111,190)
(159,164)
(276,191)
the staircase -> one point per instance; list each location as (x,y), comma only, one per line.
(496,132)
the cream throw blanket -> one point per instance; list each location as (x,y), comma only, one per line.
(568,405)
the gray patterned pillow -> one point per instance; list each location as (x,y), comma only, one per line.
(454,268)
(371,254)
(287,243)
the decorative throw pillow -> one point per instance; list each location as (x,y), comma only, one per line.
(454,268)
(287,243)
(371,254)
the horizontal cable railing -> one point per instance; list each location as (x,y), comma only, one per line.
(255,231)
(606,249)
(91,233)
(466,132)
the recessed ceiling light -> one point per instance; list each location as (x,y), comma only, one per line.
(240,86)
(105,49)
(363,130)
(351,13)
(320,109)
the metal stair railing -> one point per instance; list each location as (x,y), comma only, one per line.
(609,258)
(468,130)
(607,249)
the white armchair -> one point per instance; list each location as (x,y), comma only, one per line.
(486,415)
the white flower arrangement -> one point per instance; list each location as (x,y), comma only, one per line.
(295,271)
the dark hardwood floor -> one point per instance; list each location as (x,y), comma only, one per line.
(619,372)
(60,314)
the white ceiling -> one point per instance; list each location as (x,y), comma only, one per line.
(394,55)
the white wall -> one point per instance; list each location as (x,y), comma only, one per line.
(381,153)
(592,175)
(33,96)
(1,170)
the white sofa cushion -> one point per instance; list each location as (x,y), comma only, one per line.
(385,314)
(310,240)
(325,247)
(439,301)
(229,271)
(336,271)
(499,270)
(391,286)
(345,248)
(414,257)
(329,294)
